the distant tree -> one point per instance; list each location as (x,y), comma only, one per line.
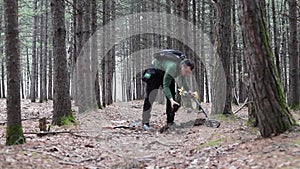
(34,56)
(265,87)
(1,48)
(61,99)
(3,77)
(14,131)
(41,52)
(94,50)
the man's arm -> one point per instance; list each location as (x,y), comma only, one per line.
(166,85)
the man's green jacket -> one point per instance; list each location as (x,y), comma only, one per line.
(172,70)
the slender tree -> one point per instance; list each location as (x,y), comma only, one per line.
(45,58)
(1,45)
(14,131)
(50,90)
(3,78)
(269,100)
(94,50)
(1,49)
(61,100)
(41,51)
(223,45)
(294,99)
(34,56)
(275,38)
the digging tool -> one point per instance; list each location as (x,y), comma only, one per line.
(194,95)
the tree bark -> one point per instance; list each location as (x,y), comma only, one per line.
(79,44)
(41,52)
(85,82)
(234,51)
(111,61)
(275,38)
(94,51)
(201,64)
(3,78)
(265,87)
(223,46)
(28,74)
(104,55)
(50,90)
(294,99)
(1,44)
(169,11)
(61,102)
(45,58)
(34,56)
(14,131)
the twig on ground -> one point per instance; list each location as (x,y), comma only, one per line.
(3,122)
(158,142)
(68,163)
(61,132)
(241,107)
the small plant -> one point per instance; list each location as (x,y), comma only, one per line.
(211,143)
(296,142)
(67,120)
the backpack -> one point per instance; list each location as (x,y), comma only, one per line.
(173,55)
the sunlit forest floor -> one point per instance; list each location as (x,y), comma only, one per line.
(94,144)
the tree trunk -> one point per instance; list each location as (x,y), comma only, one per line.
(14,131)
(104,55)
(45,58)
(85,82)
(223,45)
(168,10)
(22,85)
(94,51)
(2,59)
(50,90)
(41,52)
(201,65)
(294,99)
(234,52)
(269,100)
(3,78)
(275,38)
(112,54)
(61,101)
(178,5)
(79,44)
(28,74)
(1,45)
(34,56)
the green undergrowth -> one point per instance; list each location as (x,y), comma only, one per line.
(212,143)
(296,142)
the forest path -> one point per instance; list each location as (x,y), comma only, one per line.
(233,145)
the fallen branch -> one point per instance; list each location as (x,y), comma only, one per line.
(243,105)
(163,144)
(3,122)
(44,133)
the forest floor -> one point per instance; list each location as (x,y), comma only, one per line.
(93,144)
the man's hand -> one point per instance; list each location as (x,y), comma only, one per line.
(173,102)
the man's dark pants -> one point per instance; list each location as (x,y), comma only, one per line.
(151,92)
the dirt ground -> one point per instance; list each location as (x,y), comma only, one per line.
(93,144)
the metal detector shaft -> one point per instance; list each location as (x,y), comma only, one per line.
(200,107)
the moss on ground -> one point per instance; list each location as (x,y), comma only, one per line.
(212,143)
(14,135)
(296,142)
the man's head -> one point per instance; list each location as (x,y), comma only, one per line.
(187,67)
